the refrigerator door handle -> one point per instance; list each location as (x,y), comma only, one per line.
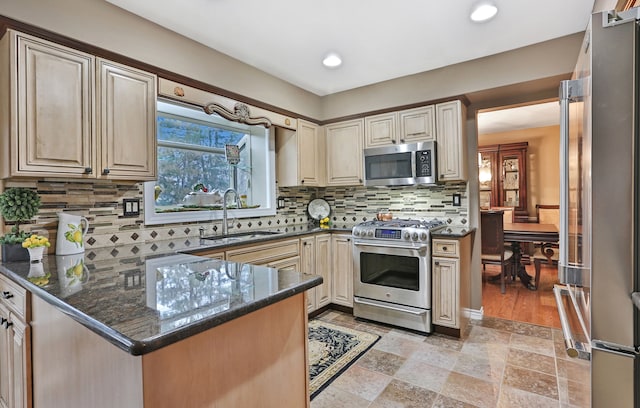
(618,349)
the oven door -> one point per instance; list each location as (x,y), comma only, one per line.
(392,273)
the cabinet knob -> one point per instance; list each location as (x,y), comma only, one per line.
(436,263)
(106,171)
(401,140)
(88,170)
(7,295)
(301,181)
(393,141)
(444,248)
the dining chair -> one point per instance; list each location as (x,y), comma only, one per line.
(492,243)
(544,251)
(508,215)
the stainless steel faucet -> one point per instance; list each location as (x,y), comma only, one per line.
(225,225)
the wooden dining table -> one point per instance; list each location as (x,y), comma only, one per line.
(518,232)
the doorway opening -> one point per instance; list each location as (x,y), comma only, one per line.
(518,169)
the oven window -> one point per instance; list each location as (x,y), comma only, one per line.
(390,270)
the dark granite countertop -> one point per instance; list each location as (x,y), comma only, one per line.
(146,302)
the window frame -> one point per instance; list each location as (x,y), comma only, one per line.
(190,111)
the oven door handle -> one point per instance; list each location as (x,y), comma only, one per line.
(386,306)
(370,244)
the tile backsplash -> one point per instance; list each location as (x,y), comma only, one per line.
(101,204)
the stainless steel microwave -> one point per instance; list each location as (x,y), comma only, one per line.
(401,165)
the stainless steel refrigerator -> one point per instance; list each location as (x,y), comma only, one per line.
(600,200)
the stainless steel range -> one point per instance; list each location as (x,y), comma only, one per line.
(392,272)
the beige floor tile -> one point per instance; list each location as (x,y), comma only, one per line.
(436,356)
(532,361)
(532,344)
(445,402)
(333,397)
(381,361)
(574,394)
(445,342)
(480,367)
(364,383)
(531,381)
(471,390)
(400,394)
(423,375)
(513,397)
(393,343)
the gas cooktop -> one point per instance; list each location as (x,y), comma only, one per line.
(397,229)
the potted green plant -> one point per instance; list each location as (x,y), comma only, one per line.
(17,205)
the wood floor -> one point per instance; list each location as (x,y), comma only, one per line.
(519,303)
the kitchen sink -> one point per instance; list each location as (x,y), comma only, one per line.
(241,236)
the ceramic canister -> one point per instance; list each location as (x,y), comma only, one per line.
(71,231)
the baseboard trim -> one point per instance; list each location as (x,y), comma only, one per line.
(475,314)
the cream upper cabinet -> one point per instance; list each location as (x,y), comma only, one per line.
(69,114)
(381,130)
(407,126)
(300,158)
(417,125)
(451,141)
(127,121)
(342,259)
(344,142)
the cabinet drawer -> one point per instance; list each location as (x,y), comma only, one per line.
(446,247)
(13,296)
(264,253)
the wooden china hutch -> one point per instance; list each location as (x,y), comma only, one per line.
(502,172)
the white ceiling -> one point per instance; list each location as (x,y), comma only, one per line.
(377,39)
(522,117)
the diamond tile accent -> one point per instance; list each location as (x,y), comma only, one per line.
(171,232)
(91,241)
(154,247)
(215,228)
(114,253)
(91,255)
(249,224)
(259,223)
(187,243)
(135,249)
(171,245)
(187,231)
(153,234)
(135,236)
(114,238)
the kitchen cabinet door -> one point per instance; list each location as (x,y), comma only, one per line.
(451,141)
(5,361)
(344,153)
(300,158)
(381,130)
(342,268)
(308,265)
(53,109)
(445,291)
(323,268)
(127,122)
(417,125)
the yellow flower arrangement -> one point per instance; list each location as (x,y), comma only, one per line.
(35,241)
(324,223)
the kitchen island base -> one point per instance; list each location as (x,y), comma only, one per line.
(259,359)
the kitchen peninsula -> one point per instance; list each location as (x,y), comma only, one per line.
(164,331)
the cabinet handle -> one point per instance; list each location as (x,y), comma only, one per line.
(401,140)
(88,170)
(7,295)
(301,181)
(2,321)
(393,141)
(7,323)
(304,244)
(436,263)
(106,171)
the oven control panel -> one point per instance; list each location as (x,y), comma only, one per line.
(388,233)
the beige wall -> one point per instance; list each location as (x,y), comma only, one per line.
(543,162)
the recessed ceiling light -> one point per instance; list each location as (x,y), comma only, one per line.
(332,60)
(483,11)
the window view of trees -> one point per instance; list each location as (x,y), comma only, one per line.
(192,152)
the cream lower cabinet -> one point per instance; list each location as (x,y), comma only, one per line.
(342,269)
(451,141)
(276,254)
(15,346)
(450,281)
(316,260)
(344,143)
(70,114)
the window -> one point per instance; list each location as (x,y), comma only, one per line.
(193,171)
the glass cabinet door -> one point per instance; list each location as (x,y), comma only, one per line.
(510,181)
